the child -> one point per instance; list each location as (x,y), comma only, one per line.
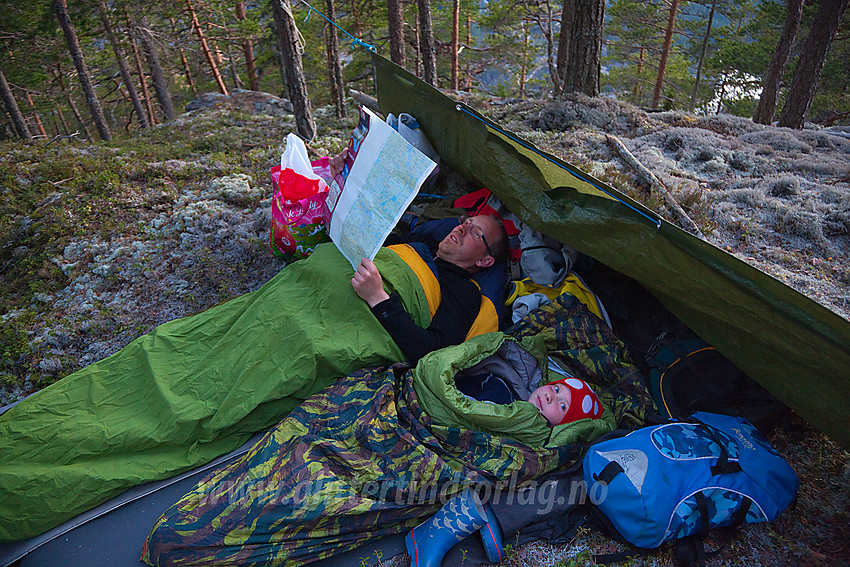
(565,400)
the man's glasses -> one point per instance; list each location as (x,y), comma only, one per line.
(476,232)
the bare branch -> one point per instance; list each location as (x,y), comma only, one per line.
(655,186)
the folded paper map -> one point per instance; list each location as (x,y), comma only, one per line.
(381,176)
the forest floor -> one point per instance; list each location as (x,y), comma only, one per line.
(101,242)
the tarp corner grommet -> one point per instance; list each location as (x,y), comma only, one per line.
(458,108)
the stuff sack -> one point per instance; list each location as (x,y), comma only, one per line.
(688,375)
(684,478)
(299,211)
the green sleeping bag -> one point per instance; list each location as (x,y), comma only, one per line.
(190,390)
(434,381)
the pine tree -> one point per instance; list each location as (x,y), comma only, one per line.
(770,87)
(205,47)
(248,50)
(160,83)
(811,63)
(334,67)
(395,28)
(293,68)
(122,65)
(665,53)
(427,48)
(13,109)
(581,53)
(64,19)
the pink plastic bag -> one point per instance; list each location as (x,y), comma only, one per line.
(299,211)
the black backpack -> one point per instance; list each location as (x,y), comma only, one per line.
(688,375)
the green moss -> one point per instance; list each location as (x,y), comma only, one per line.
(68,191)
(15,349)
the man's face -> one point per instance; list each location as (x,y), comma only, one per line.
(463,249)
(552,400)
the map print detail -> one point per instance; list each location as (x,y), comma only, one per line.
(383,179)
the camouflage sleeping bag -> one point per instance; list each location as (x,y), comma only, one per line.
(364,459)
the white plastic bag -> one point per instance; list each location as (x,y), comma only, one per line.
(294,157)
(408,127)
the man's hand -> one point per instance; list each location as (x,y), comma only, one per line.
(368,284)
(337,162)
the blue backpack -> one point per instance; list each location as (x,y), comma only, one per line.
(683,478)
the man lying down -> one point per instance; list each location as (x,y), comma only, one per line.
(379,451)
(198,387)
(457,311)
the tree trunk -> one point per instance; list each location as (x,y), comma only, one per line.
(702,55)
(455,41)
(395,25)
(57,127)
(417,48)
(637,91)
(467,82)
(35,116)
(143,80)
(665,53)
(60,125)
(126,97)
(551,52)
(582,48)
(64,122)
(524,64)
(805,83)
(238,83)
(722,94)
(183,60)
(355,18)
(293,69)
(82,71)
(206,49)
(160,84)
(656,188)
(426,43)
(12,108)
(122,65)
(770,87)
(248,51)
(71,103)
(221,60)
(564,37)
(334,66)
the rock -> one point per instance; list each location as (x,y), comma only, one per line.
(255,102)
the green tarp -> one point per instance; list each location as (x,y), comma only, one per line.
(797,349)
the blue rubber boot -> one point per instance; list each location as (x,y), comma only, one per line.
(491,537)
(428,542)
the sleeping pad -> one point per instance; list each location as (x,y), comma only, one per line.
(192,389)
(364,458)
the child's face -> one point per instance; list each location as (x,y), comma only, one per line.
(552,400)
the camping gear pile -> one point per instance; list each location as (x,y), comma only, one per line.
(753,319)
(636,258)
